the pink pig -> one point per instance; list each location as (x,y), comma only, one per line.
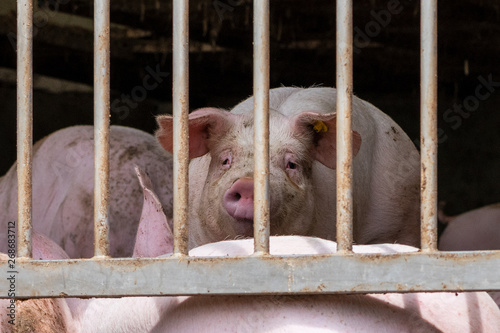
(411,312)
(478,229)
(302,170)
(63,188)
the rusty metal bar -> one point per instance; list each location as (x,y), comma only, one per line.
(101,127)
(428,124)
(348,273)
(180,101)
(344,136)
(24,125)
(261,126)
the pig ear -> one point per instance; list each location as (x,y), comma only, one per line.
(203,123)
(45,249)
(324,129)
(154,236)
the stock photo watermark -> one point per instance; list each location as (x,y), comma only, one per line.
(125,103)
(373,28)
(361,37)
(41,17)
(223,6)
(11,273)
(455,115)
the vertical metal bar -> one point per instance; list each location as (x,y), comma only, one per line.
(24,124)
(261,126)
(428,123)
(181,130)
(344,132)
(101,126)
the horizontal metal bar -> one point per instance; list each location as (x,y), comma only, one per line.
(348,273)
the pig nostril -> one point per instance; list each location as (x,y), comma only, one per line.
(238,200)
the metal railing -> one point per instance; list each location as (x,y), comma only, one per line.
(344,272)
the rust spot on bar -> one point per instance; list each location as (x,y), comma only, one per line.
(318,289)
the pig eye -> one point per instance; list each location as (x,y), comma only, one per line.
(291,162)
(226,159)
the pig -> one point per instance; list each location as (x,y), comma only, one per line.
(386,170)
(412,312)
(63,187)
(478,229)
(154,234)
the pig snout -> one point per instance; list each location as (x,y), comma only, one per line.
(238,200)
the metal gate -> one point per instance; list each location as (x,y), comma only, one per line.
(343,272)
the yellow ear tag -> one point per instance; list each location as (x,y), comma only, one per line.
(320,126)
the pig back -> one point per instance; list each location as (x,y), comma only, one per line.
(63,187)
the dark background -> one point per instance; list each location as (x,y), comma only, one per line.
(386,70)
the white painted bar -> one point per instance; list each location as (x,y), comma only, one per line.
(24,125)
(101,127)
(428,125)
(261,126)
(344,136)
(180,100)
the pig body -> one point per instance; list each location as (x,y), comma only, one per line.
(412,312)
(63,187)
(478,229)
(302,170)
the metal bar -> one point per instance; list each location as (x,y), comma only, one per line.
(24,125)
(348,273)
(180,101)
(428,124)
(344,136)
(101,127)
(261,126)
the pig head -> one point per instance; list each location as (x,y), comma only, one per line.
(221,147)
(302,170)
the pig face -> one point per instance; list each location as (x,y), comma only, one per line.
(221,149)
